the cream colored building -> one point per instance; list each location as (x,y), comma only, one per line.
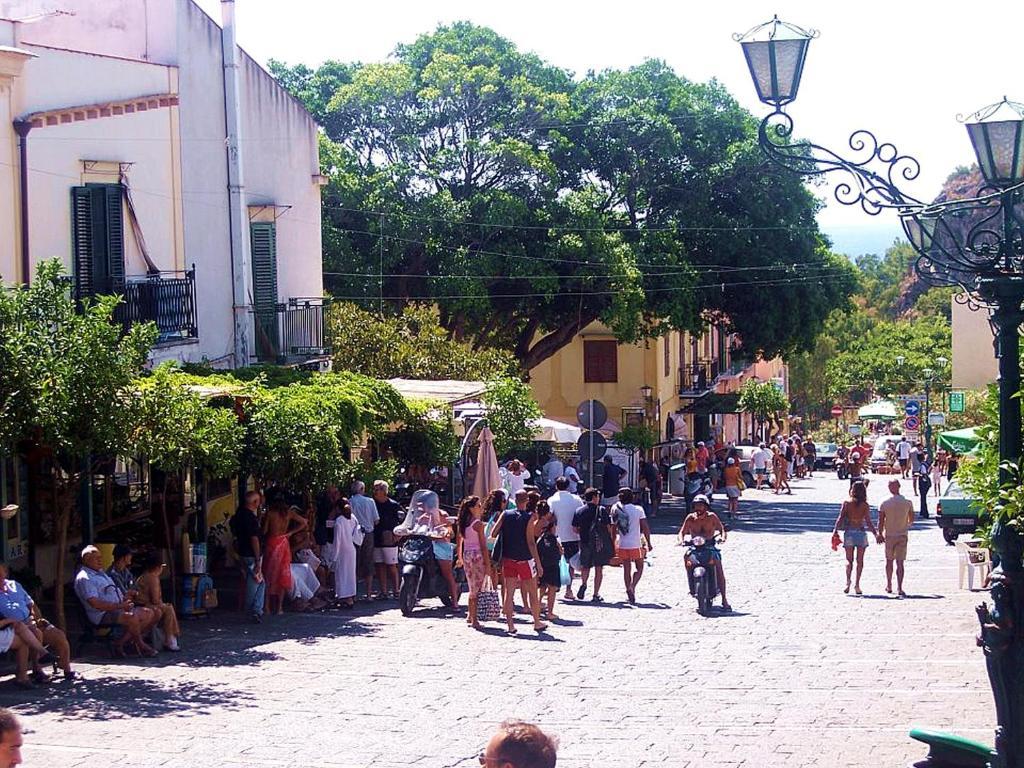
(122,114)
(974,358)
(694,381)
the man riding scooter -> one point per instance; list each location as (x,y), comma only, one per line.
(706,524)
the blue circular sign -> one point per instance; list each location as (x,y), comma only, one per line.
(912,408)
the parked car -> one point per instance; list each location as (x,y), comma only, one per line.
(825,455)
(881,449)
(955,513)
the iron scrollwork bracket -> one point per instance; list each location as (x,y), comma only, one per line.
(870,176)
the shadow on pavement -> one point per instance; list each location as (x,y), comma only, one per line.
(100,698)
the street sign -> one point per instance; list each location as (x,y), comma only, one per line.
(908,398)
(957,401)
(854,430)
(588,439)
(937,419)
(591,419)
(837,411)
(912,408)
(911,423)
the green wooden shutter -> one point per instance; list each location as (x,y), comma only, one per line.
(81,240)
(97,221)
(114,205)
(263,237)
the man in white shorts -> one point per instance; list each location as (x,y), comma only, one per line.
(385,544)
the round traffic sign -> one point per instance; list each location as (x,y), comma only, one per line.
(912,423)
(837,411)
(583,411)
(583,445)
(912,408)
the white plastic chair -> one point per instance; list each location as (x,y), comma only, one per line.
(972,557)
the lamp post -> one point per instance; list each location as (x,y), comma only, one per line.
(976,244)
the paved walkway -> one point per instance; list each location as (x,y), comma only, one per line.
(799,675)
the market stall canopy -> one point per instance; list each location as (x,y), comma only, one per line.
(880,410)
(445,390)
(960,440)
(551,431)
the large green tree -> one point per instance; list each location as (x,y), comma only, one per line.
(74,385)
(526,204)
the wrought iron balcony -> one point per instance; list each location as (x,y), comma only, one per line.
(695,378)
(167,299)
(290,332)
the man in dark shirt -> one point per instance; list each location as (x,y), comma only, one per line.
(245,527)
(385,545)
(595,550)
(611,477)
(652,485)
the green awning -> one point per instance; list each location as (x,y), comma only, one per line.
(880,410)
(959,440)
(714,403)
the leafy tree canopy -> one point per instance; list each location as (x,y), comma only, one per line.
(511,414)
(409,345)
(525,204)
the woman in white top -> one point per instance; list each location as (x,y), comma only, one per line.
(630,526)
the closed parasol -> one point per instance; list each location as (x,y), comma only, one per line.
(487,477)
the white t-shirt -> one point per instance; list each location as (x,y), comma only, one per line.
(760,458)
(514,482)
(635,513)
(552,471)
(574,479)
(563,506)
(903,449)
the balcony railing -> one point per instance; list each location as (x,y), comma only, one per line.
(695,378)
(167,299)
(290,332)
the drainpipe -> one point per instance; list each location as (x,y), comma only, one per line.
(22,127)
(241,264)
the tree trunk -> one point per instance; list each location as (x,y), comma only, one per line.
(530,356)
(167,538)
(63,519)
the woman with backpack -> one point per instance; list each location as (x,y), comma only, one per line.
(630,524)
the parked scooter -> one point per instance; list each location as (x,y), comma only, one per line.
(702,574)
(695,484)
(421,575)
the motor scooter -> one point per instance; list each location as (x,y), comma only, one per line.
(843,468)
(702,574)
(421,575)
(695,484)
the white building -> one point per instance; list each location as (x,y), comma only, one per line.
(125,121)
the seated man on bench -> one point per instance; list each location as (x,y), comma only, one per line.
(107,606)
(17,604)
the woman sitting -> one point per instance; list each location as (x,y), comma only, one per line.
(151,596)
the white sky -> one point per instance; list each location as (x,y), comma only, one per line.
(903,69)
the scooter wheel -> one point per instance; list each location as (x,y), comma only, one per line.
(407,595)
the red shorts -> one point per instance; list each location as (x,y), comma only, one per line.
(518,569)
(630,555)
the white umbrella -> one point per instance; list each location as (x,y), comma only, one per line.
(487,477)
(551,431)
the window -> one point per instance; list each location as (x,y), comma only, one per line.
(97,239)
(666,352)
(600,362)
(263,242)
(263,237)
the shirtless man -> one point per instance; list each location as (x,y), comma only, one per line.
(277,559)
(703,522)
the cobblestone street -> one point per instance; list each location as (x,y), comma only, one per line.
(799,675)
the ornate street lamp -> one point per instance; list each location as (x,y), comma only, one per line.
(976,244)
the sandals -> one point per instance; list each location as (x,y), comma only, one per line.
(540,627)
